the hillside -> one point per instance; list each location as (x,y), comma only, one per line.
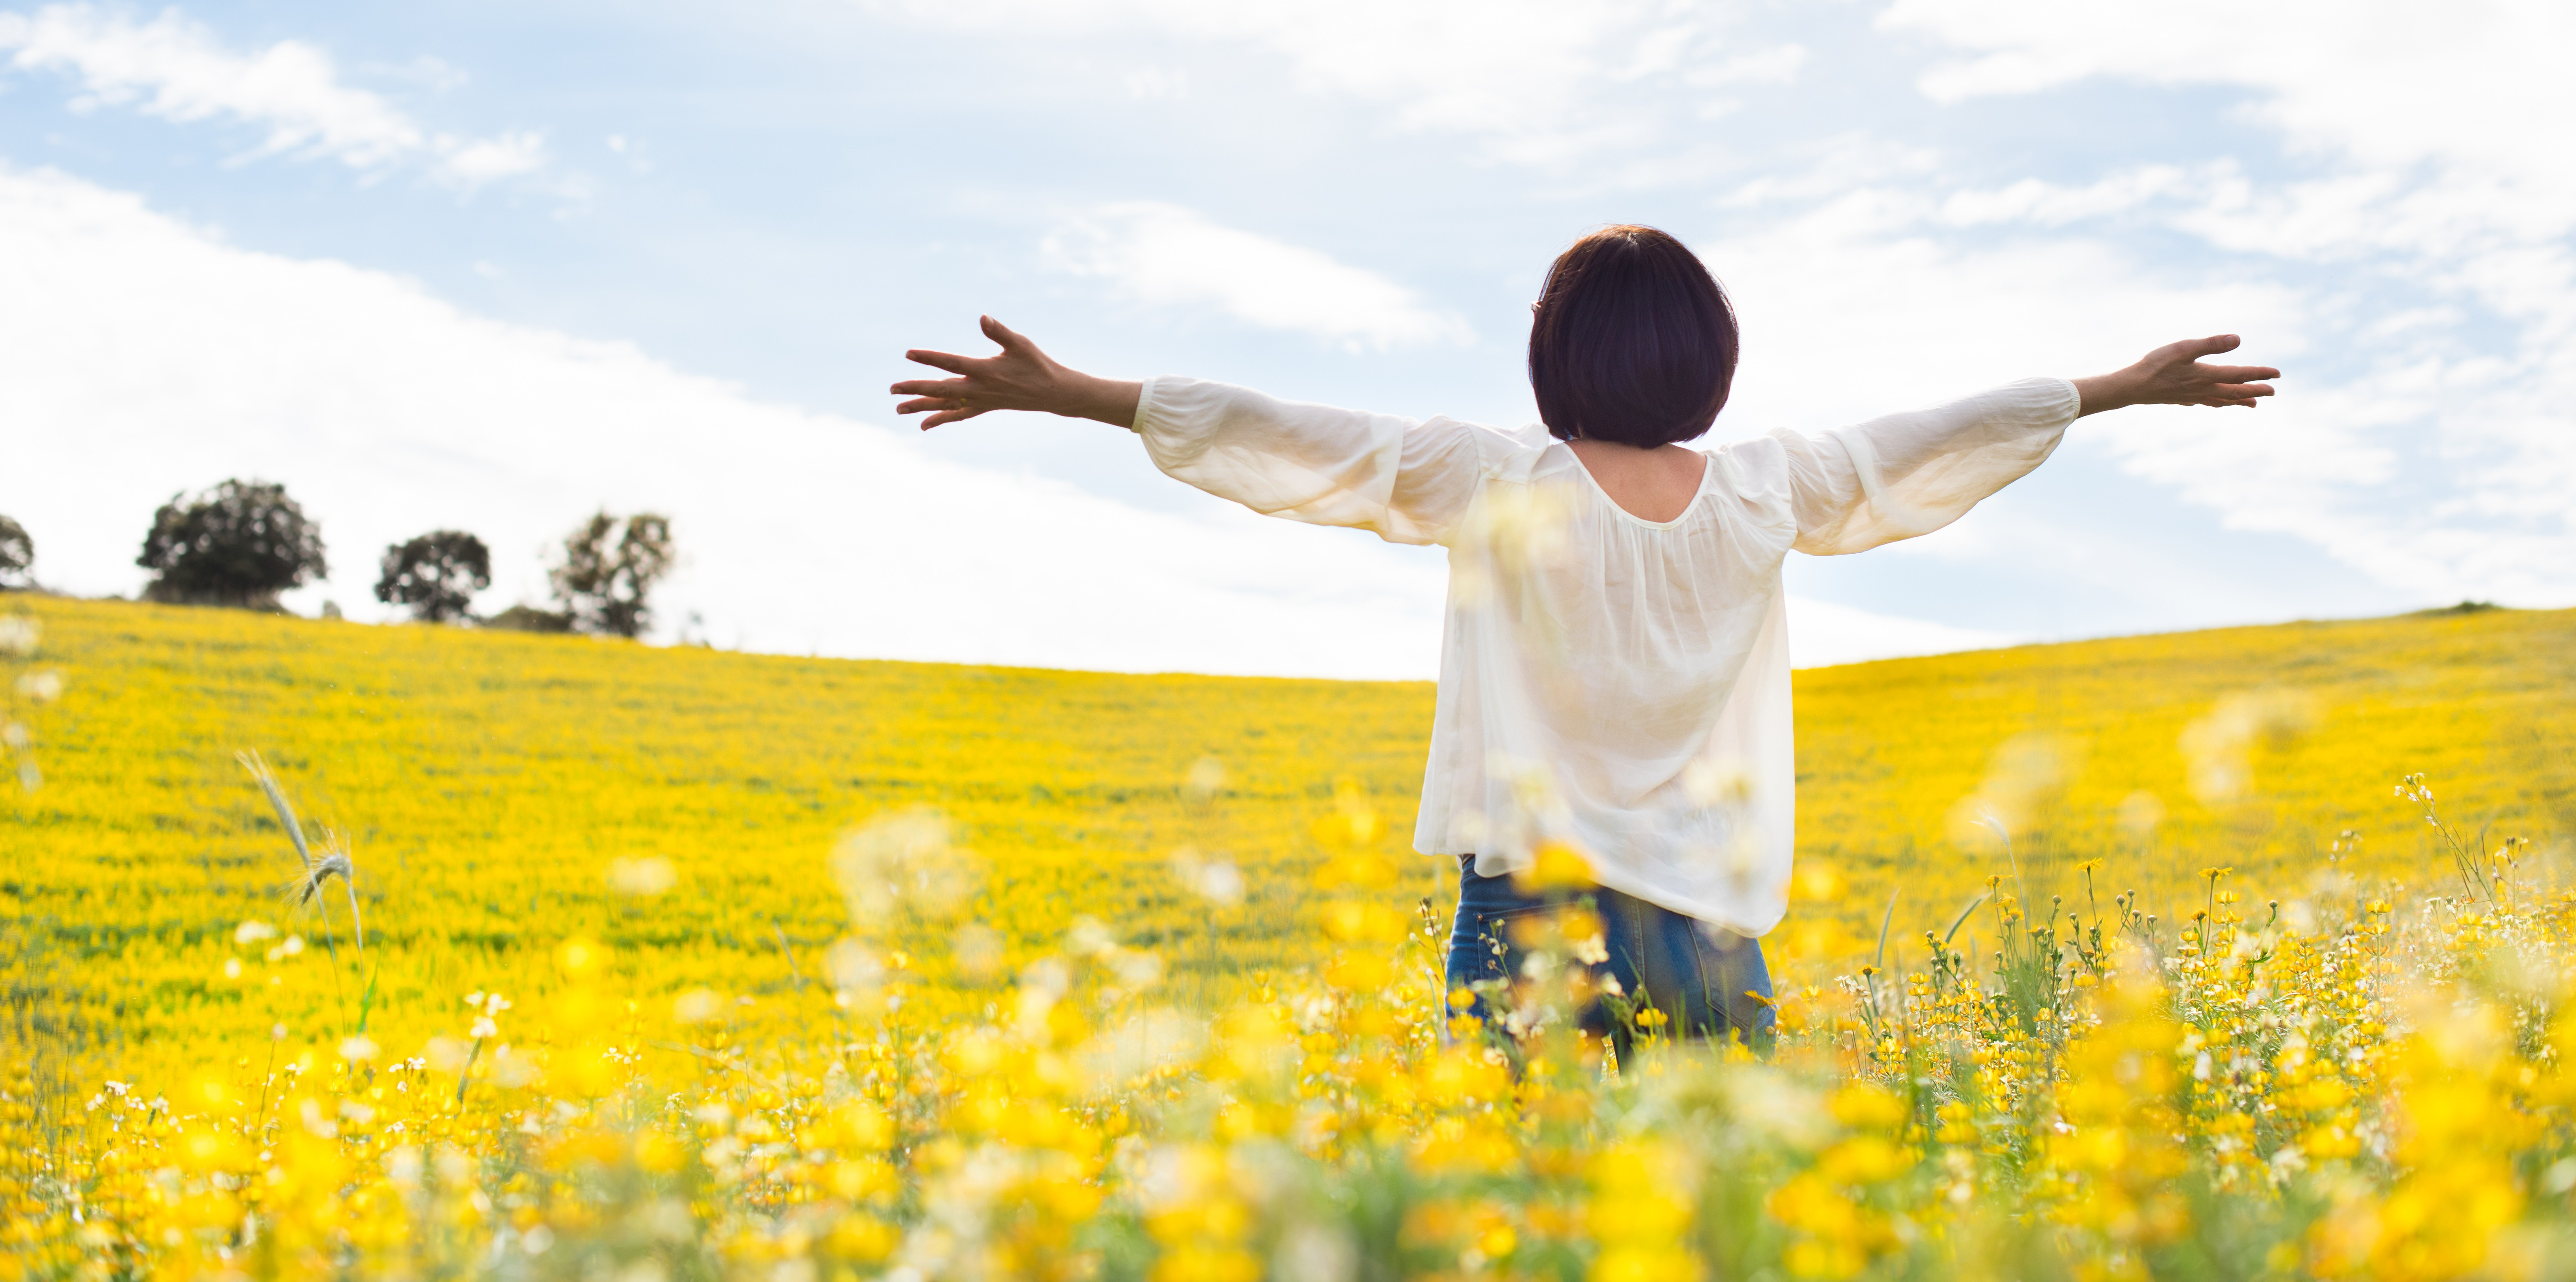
(487,782)
(2249,748)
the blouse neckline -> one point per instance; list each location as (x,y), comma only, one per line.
(1707,466)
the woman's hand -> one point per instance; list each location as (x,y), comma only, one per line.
(2173,375)
(1021,378)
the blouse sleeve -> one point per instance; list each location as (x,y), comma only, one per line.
(1410,482)
(1853,488)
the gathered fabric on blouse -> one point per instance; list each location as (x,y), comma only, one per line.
(1616,685)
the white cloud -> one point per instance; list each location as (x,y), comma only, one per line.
(2478,83)
(139,357)
(2445,124)
(180,71)
(1542,82)
(1167,256)
(2438,189)
(2048,204)
(1778,65)
(480,160)
(1157,83)
(1822,633)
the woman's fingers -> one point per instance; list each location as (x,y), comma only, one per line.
(945,417)
(2234,384)
(931,386)
(1011,341)
(2225,394)
(948,361)
(2240,373)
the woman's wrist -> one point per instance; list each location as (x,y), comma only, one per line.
(2101,392)
(1103,400)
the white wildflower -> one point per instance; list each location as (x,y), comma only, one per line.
(646,878)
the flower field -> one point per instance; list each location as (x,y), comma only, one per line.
(2117,959)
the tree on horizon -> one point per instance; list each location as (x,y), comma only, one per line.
(608,569)
(435,575)
(17,555)
(239,544)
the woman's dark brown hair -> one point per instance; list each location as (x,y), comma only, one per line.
(1633,341)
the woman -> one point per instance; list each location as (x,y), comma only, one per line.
(1614,673)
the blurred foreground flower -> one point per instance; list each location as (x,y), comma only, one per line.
(903,862)
(647,878)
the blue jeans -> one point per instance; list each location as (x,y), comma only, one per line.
(1708,982)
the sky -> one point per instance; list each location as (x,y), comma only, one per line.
(497,266)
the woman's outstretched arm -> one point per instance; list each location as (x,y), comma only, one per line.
(2173,375)
(1901,475)
(1021,378)
(1407,481)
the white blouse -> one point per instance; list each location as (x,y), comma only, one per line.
(1617,685)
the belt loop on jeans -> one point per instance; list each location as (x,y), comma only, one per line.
(1467,862)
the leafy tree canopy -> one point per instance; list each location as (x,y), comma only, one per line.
(17,555)
(608,570)
(436,575)
(240,543)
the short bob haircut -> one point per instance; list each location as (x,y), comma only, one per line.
(1632,341)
